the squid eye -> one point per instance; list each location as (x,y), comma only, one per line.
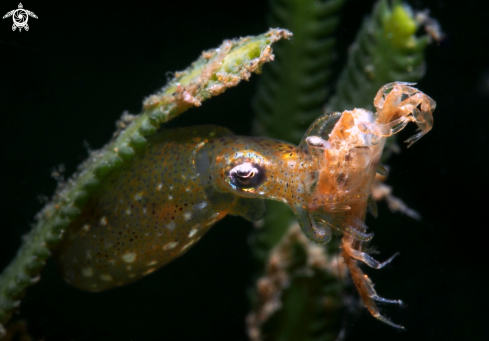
(246,176)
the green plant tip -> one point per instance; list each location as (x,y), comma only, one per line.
(103,168)
(400,26)
(52,239)
(115,161)
(35,266)
(158,115)
(23,279)
(41,252)
(147,129)
(91,184)
(71,212)
(60,224)
(14,290)
(234,58)
(126,152)
(80,198)
(138,141)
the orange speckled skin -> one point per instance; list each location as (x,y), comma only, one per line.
(145,214)
(287,168)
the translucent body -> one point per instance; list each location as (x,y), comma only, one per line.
(148,213)
(154,209)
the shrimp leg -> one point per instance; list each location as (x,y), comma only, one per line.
(365,286)
(365,258)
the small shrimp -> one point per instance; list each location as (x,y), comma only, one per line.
(398,104)
(356,144)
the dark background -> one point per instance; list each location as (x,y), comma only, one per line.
(65,82)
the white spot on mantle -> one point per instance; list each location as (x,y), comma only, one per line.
(139,196)
(187,216)
(170,246)
(171,226)
(202,205)
(103,221)
(87,272)
(129,257)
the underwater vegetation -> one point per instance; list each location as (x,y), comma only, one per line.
(305,312)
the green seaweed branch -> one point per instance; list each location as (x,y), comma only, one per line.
(214,72)
(293,90)
(386,49)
